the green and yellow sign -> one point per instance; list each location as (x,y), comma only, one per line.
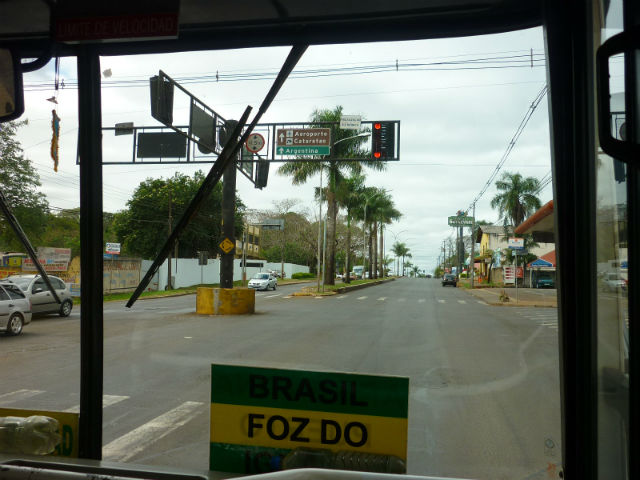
(68,446)
(258,415)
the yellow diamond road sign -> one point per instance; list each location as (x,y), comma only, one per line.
(226,245)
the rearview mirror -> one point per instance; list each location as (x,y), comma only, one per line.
(613,113)
(11,94)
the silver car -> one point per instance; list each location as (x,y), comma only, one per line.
(15,309)
(41,299)
(263,281)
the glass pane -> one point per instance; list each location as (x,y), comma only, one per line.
(483,396)
(41,364)
(612,266)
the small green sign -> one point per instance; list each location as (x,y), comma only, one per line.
(306,150)
(461,221)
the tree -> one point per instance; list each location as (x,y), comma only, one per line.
(517,199)
(144,226)
(336,171)
(348,195)
(401,250)
(19,182)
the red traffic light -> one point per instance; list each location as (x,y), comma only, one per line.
(377,126)
(377,154)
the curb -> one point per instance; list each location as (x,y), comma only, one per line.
(363,285)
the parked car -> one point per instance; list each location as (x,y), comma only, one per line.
(612,282)
(41,299)
(15,309)
(545,281)
(263,281)
(449,279)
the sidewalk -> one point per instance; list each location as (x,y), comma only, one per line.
(527,297)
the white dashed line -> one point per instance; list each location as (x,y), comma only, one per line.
(362,298)
(440,300)
(271,296)
(107,400)
(129,445)
(288,296)
(382,299)
(462,301)
(342,296)
(481,302)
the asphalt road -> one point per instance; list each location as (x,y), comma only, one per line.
(484,384)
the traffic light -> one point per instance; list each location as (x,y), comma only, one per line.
(383,139)
(262,173)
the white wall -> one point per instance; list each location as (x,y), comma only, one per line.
(186,272)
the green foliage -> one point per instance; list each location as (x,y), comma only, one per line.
(63,231)
(302,275)
(144,226)
(293,253)
(518,198)
(19,182)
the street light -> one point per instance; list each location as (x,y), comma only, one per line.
(359,135)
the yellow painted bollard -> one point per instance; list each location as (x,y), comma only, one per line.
(225,301)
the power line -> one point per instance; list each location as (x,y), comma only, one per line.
(523,123)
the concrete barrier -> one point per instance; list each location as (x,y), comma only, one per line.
(225,301)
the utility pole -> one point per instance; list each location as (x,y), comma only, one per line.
(228,212)
(319,228)
(169,283)
(473,245)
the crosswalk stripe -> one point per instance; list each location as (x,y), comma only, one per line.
(362,298)
(18,395)
(462,301)
(107,401)
(382,299)
(130,444)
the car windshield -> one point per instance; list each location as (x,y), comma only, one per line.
(22,282)
(378,156)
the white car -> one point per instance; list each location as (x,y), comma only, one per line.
(263,281)
(15,309)
(42,301)
(612,283)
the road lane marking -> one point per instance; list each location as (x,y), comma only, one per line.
(137,440)
(462,301)
(382,299)
(18,395)
(342,296)
(107,401)
(440,300)
(422,300)
(481,302)
(362,298)
(288,296)
(271,296)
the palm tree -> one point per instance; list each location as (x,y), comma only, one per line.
(518,199)
(401,250)
(387,214)
(301,171)
(348,196)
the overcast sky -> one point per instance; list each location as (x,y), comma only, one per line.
(456,121)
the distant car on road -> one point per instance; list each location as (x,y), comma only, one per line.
(37,291)
(15,309)
(449,279)
(263,281)
(612,282)
(545,281)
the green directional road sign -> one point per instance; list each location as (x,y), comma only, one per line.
(305,150)
(457,221)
